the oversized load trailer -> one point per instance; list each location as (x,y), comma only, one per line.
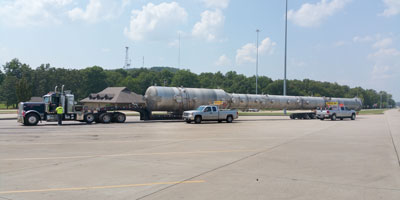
(104,107)
(178,99)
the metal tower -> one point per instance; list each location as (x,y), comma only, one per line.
(127,60)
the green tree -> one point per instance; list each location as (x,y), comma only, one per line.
(185,78)
(8,90)
(2,77)
(17,69)
(23,91)
(94,80)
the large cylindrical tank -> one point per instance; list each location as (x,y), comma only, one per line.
(177,99)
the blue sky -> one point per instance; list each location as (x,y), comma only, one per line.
(353,42)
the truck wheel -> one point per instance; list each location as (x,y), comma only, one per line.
(197,119)
(188,121)
(105,118)
(341,118)
(89,118)
(333,117)
(229,119)
(322,119)
(31,119)
(120,118)
(353,116)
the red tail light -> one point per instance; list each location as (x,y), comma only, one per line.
(327,111)
(23,113)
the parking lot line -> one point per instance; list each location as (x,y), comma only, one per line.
(131,154)
(98,187)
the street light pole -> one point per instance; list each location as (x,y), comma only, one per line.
(284,76)
(258,31)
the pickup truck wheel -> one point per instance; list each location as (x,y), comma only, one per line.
(322,119)
(219,121)
(89,118)
(341,118)
(197,119)
(188,121)
(333,117)
(105,118)
(31,119)
(229,119)
(353,116)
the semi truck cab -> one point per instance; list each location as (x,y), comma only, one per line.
(30,113)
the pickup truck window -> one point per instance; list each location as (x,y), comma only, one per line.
(341,108)
(208,109)
(201,108)
(214,109)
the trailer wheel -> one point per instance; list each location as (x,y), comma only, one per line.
(353,116)
(341,118)
(322,119)
(31,119)
(89,118)
(333,117)
(197,119)
(105,118)
(120,118)
(229,119)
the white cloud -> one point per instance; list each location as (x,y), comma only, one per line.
(32,12)
(392,8)
(97,10)
(210,25)
(223,61)
(247,53)
(384,54)
(155,21)
(313,14)
(216,3)
(362,39)
(386,63)
(382,43)
(339,43)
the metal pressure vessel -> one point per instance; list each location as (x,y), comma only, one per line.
(177,100)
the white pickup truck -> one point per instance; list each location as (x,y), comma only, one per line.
(333,113)
(209,113)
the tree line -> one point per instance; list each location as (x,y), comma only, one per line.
(19,82)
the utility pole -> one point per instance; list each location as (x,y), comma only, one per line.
(143,62)
(258,31)
(387,100)
(284,76)
(380,105)
(179,50)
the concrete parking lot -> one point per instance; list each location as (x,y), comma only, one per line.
(252,158)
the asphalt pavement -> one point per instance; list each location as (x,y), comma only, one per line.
(261,157)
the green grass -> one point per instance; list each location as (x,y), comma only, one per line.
(372,112)
(2,106)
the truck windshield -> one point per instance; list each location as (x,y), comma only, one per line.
(46,99)
(201,108)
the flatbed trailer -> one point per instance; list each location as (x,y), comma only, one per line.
(303,115)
